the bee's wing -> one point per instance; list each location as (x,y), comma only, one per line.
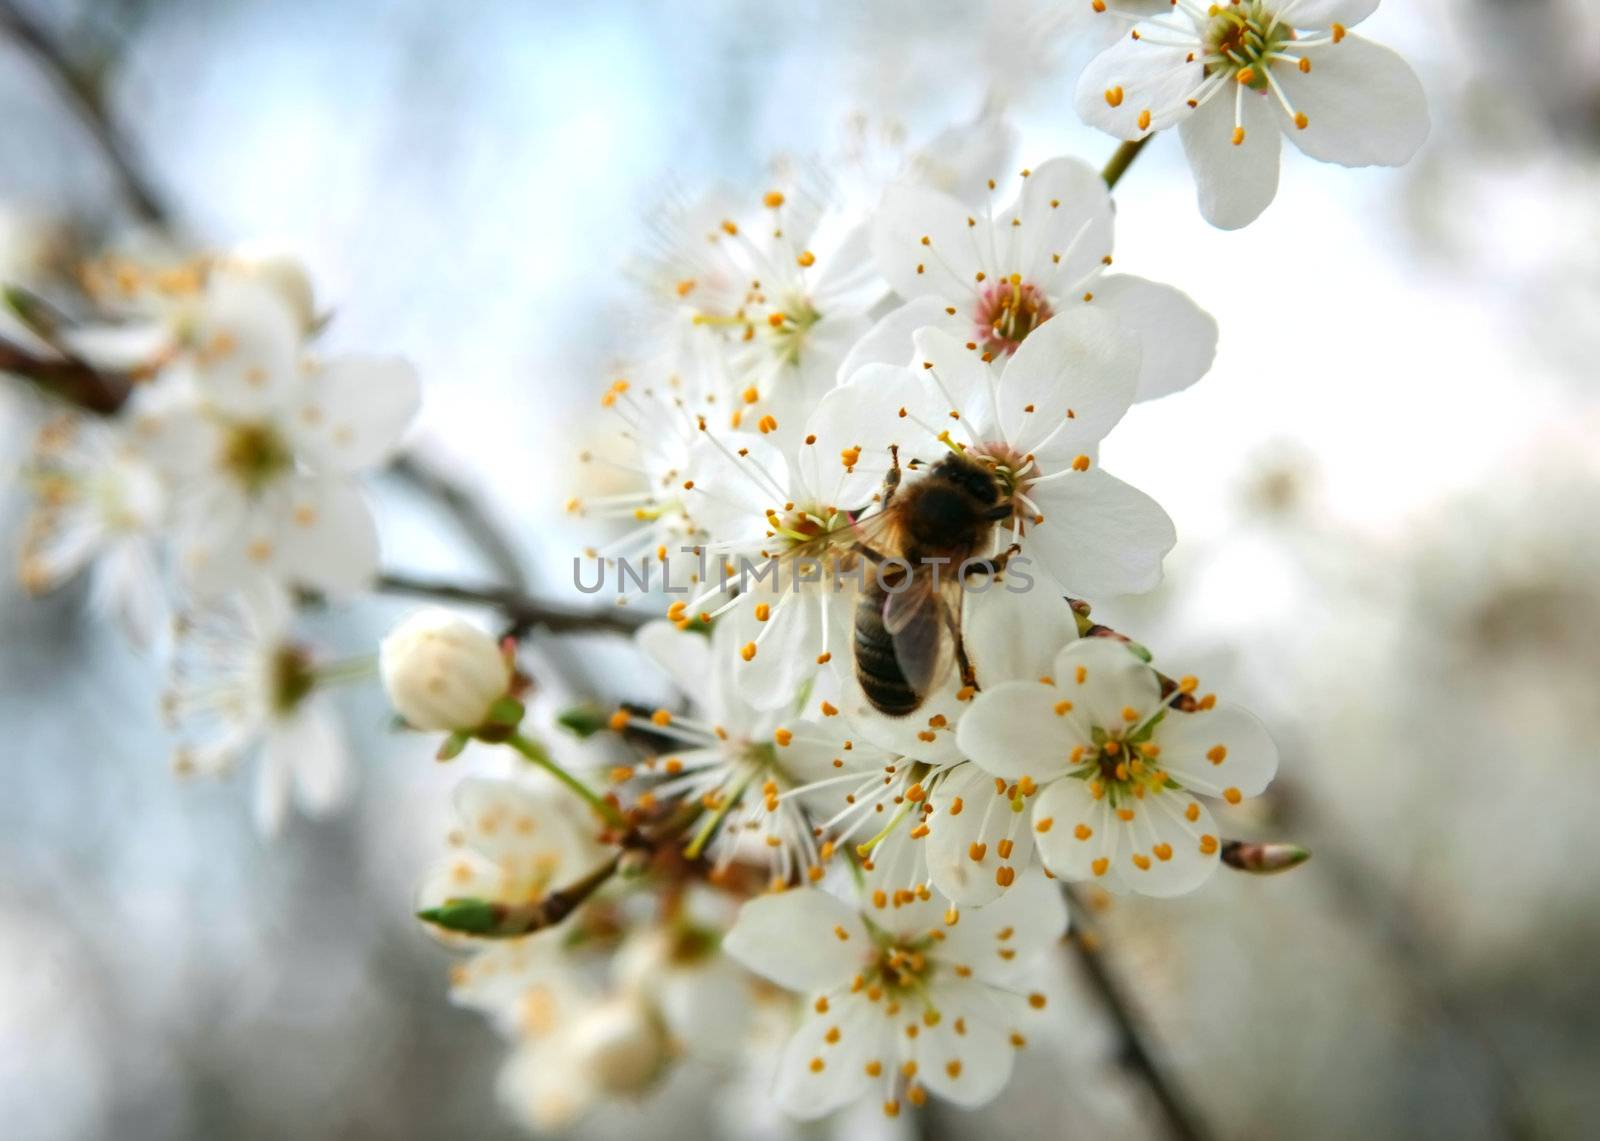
(920,619)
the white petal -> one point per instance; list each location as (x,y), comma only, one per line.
(1177,338)
(683,655)
(735,483)
(707,1007)
(835,427)
(966,1057)
(1323,14)
(1012,730)
(789,642)
(793,938)
(806,1090)
(327,538)
(1100,536)
(274,778)
(1102,678)
(1174,859)
(1077,835)
(1212,750)
(533,835)
(960,160)
(1014,635)
(247,342)
(1235,183)
(864,417)
(1066,230)
(889,341)
(985,820)
(1151,77)
(118,347)
(312,746)
(965,383)
(218,528)
(1027,920)
(1081,367)
(947,265)
(849,281)
(1364,104)
(352,411)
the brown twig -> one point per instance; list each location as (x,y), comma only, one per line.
(67,378)
(471,517)
(82,92)
(1181,1117)
(524,611)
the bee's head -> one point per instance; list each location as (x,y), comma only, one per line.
(969,478)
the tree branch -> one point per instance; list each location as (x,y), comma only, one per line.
(1182,1119)
(67,378)
(82,93)
(524,611)
(469,514)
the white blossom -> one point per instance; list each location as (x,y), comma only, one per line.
(784,523)
(613,1047)
(991,278)
(263,462)
(899,1000)
(1113,770)
(1036,427)
(243,685)
(513,842)
(1235,77)
(743,764)
(100,504)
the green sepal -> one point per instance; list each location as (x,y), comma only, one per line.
(506,712)
(450,748)
(583,721)
(468,916)
(33,311)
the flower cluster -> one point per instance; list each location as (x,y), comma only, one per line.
(867,509)
(223,483)
(866,440)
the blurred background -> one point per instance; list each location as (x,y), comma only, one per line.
(1387,494)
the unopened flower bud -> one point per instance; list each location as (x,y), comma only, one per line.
(442,673)
(280,272)
(1262,859)
(620,1045)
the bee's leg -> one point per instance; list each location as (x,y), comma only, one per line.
(891,478)
(994,566)
(876,558)
(969,676)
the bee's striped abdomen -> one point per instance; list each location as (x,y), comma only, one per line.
(877,665)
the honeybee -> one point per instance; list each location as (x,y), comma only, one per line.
(908,618)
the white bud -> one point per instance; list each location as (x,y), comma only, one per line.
(619,1044)
(280,272)
(442,673)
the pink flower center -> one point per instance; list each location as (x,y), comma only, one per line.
(1007,312)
